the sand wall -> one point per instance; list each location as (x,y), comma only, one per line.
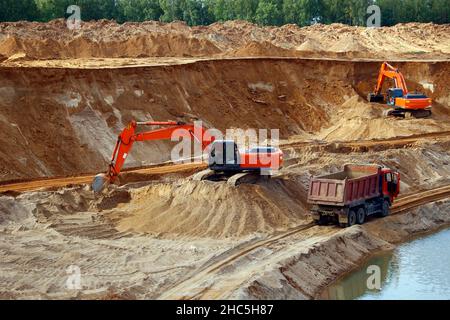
(65,121)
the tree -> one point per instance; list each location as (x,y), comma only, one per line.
(291,11)
(334,11)
(263,12)
(357,11)
(171,10)
(15,10)
(393,11)
(245,9)
(90,9)
(268,13)
(195,12)
(138,10)
(222,10)
(440,11)
(97,9)
(52,9)
(311,11)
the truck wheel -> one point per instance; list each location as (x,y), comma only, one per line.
(323,220)
(386,209)
(361,216)
(351,218)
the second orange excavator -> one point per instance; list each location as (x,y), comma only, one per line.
(402,103)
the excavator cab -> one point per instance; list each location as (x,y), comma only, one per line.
(224,156)
(394,93)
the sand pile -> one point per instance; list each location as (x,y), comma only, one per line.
(99,39)
(45,233)
(261,49)
(207,209)
(108,39)
(357,119)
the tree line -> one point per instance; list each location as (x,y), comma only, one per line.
(204,12)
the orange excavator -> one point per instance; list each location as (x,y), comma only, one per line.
(129,136)
(402,103)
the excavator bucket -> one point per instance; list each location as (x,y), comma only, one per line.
(372,97)
(100,182)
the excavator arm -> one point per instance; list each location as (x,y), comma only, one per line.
(128,137)
(389,72)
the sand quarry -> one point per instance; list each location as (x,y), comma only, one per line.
(65,95)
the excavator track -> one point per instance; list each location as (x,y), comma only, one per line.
(203,175)
(407,114)
(245,177)
(233,180)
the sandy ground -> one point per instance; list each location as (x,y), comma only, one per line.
(64,97)
(181,239)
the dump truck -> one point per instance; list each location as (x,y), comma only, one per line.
(350,196)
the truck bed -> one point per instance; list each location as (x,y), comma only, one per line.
(354,183)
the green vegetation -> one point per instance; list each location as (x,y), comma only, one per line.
(202,12)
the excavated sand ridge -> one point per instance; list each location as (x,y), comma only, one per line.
(59,122)
(107,39)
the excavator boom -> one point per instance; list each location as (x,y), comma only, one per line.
(388,71)
(128,137)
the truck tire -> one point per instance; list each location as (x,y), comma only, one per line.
(322,220)
(386,209)
(360,216)
(351,218)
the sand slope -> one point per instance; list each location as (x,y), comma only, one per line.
(104,38)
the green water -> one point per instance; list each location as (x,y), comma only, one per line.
(419,269)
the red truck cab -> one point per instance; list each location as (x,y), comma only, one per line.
(390,184)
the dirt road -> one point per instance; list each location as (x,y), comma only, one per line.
(415,200)
(87,179)
(396,142)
